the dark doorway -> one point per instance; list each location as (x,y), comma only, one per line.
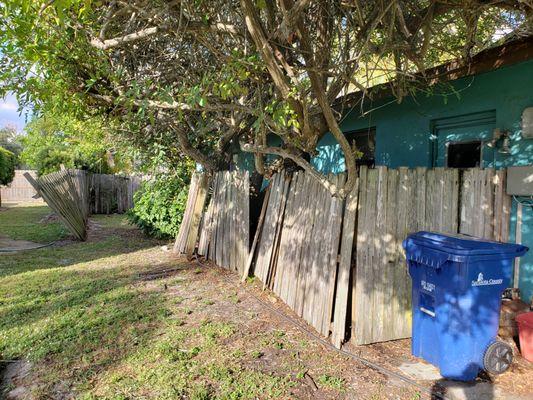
(464,155)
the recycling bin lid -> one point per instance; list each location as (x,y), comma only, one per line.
(463,245)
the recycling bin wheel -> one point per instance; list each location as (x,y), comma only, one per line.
(498,357)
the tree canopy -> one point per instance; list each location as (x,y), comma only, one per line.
(196,78)
(10,140)
(52,140)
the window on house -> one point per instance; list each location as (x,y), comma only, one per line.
(364,141)
(464,155)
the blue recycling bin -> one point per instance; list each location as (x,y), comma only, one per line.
(458,281)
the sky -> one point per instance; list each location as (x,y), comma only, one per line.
(9,114)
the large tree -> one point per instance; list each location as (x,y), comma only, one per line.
(195,77)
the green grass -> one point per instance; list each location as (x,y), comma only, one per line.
(22,223)
(332,382)
(94,328)
(84,318)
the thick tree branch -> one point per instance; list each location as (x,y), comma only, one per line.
(321,96)
(261,42)
(174,105)
(301,162)
(192,26)
(190,151)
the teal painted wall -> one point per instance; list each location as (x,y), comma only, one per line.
(405,134)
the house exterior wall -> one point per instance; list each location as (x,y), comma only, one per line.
(405,133)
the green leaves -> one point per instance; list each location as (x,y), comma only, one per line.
(160,204)
(57,138)
(8,161)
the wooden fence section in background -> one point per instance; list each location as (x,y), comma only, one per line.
(392,204)
(20,189)
(65,193)
(111,193)
(485,207)
(225,228)
(188,232)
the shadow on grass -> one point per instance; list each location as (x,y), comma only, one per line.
(109,243)
(78,321)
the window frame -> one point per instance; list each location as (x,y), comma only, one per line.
(364,132)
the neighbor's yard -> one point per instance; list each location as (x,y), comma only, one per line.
(117,317)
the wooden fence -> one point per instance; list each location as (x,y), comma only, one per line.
(66,194)
(74,194)
(222,230)
(111,193)
(188,232)
(297,254)
(392,204)
(297,251)
(19,189)
(324,256)
(225,230)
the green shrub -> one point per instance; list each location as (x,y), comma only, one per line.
(159,206)
(8,161)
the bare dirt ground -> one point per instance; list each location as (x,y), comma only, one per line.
(316,358)
(317,370)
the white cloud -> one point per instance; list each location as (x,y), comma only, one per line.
(8,105)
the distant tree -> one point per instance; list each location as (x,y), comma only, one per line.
(59,139)
(8,161)
(10,139)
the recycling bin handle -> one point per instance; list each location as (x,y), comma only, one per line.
(427,311)
(429,261)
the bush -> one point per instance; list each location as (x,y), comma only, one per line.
(159,206)
(8,162)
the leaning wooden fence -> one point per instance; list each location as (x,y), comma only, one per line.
(66,194)
(324,256)
(297,252)
(222,231)
(74,194)
(188,232)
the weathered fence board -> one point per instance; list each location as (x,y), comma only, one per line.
(188,232)
(345,264)
(64,192)
(484,206)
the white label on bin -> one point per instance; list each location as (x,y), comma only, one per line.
(481,281)
(428,286)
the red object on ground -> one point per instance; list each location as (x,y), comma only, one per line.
(525,332)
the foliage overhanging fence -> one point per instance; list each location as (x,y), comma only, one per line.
(324,256)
